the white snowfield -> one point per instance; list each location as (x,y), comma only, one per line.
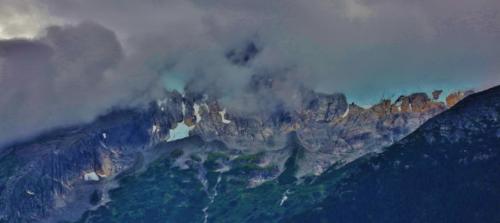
(223,117)
(181,131)
(92,176)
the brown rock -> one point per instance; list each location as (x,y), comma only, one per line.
(382,108)
(436,94)
(405,105)
(189,120)
(417,102)
(455,97)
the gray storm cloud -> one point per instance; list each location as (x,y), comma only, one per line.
(71,73)
(331,45)
(67,76)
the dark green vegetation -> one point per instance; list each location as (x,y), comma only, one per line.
(161,194)
(95,197)
(164,193)
(9,164)
(446,171)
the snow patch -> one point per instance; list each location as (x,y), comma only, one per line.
(92,176)
(223,117)
(346,112)
(196,108)
(398,105)
(179,132)
(155,129)
(223,169)
(161,104)
(285,197)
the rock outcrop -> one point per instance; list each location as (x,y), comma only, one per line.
(331,130)
(436,94)
(59,170)
(455,97)
(446,171)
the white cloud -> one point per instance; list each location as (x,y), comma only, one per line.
(23,19)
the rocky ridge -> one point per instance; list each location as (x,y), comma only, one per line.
(331,130)
(206,182)
(445,171)
(57,171)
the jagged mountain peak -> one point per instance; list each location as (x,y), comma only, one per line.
(447,166)
(78,162)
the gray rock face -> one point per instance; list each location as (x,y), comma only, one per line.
(359,132)
(50,169)
(56,171)
(446,171)
(331,131)
(324,107)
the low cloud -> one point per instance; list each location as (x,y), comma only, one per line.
(366,49)
(67,76)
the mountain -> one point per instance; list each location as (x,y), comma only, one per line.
(446,171)
(417,179)
(195,139)
(331,130)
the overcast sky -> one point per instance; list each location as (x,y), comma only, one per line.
(66,61)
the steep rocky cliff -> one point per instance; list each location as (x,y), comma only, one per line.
(56,169)
(196,181)
(331,130)
(446,171)
(56,173)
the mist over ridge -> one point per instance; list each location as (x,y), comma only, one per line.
(91,56)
